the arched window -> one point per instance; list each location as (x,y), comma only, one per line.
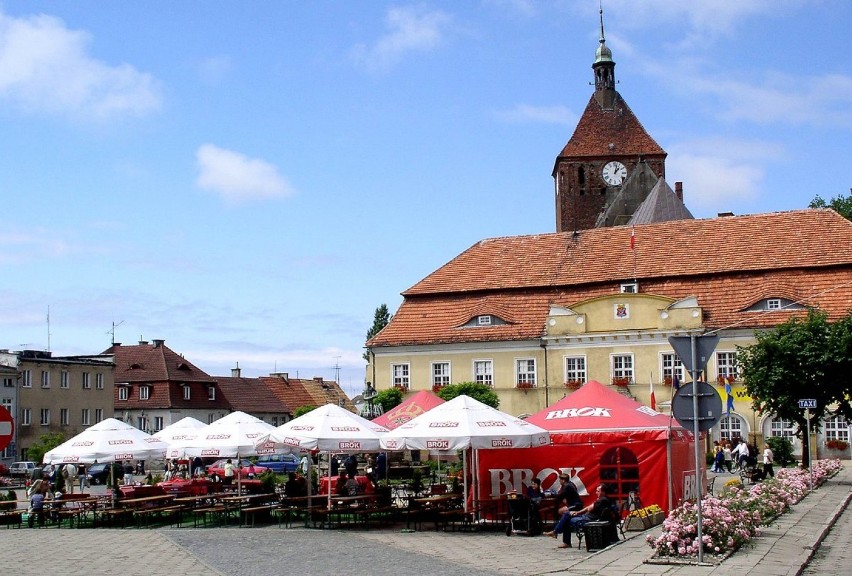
(731,427)
(620,471)
(782,427)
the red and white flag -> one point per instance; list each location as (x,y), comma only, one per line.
(633,238)
(653,398)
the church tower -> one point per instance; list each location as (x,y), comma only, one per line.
(608,144)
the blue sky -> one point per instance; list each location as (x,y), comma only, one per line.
(249,181)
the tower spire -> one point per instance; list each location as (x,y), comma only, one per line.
(604,68)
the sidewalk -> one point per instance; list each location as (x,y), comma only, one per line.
(783,548)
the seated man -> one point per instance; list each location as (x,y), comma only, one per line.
(572,519)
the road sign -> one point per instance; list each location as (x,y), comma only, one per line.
(7,427)
(807,403)
(709,407)
(704,347)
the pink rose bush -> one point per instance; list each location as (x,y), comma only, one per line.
(735,517)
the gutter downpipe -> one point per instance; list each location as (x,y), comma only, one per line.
(543,344)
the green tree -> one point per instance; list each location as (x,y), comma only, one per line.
(840,204)
(303,410)
(475,390)
(44,444)
(389,398)
(802,358)
(381,318)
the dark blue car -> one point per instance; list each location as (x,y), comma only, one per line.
(279,463)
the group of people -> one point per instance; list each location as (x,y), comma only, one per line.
(724,457)
(570,511)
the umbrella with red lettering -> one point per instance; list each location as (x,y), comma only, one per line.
(108,440)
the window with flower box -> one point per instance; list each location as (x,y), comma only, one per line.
(726,366)
(483,372)
(440,374)
(400,376)
(525,373)
(622,369)
(836,428)
(671,367)
(575,371)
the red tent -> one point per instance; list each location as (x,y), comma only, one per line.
(412,406)
(599,435)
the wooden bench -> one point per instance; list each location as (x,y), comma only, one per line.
(11,518)
(264,510)
(168,511)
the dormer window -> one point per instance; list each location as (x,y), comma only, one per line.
(144,392)
(773,304)
(211,392)
(186,392)
(183,366)
(629,288)
(484,320)
(123,392)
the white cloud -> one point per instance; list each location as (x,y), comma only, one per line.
(236,177)
(718,174)
(523,113)
(409,29)
(35,243)
(45,67)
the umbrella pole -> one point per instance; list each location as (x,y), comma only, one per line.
(464,471)
(239,476)
(329,481)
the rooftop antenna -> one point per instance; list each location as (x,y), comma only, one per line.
(48,327)
(337,370)
(112,331)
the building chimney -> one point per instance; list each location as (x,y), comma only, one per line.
(158,343)
(143,342)
(235,372)
(679,190)
(725,214)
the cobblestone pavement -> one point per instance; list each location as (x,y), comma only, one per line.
(783,548)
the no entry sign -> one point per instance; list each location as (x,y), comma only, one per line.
(7,427)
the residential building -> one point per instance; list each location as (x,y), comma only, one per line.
(253,396)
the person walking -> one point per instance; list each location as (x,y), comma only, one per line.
(768,459)
(729,458)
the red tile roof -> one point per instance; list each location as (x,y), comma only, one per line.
(296,392)
(251,395)
(610,132)
(728,263)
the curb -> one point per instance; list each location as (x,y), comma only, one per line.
(832,520)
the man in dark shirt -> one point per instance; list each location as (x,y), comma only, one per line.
(573,519)
(568,496)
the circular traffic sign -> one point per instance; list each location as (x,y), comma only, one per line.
(7,427)
(709,406)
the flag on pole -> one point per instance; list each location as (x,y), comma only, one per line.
(653,398)
(633,238)
(730,397)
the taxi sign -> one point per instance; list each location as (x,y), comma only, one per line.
(807,403)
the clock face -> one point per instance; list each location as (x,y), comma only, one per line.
(614,173)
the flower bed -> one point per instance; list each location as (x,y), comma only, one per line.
(735,517)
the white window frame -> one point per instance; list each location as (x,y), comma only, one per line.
(187,392)
(99,381)
(670,365)
(44,417)
(726,364)
(99,415)
(63,379)
(483,372)
(26,379)
(483,320)
(836,428)
(622,366)
(123,392)
(401,375)
(773,304)
(26,417)
(64,418)
(525,371)
(158,423)
(84,417)
(575,368)
(731,427)
(45,379)
(87,383)
(144,392)
(440,373)
(211,393)
(781,428)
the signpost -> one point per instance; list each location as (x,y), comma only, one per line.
(807,404)
(7,427)
(694,352)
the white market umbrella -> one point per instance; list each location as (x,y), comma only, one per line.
(231,436)
(463,423)
(108,440)
(328,428)
(179,434)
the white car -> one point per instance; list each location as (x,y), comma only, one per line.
(22,469)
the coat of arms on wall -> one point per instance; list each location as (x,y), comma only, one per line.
(622,311)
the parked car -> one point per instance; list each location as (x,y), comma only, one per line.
(98,473)
(22,469)
(216,470)
(279,463)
